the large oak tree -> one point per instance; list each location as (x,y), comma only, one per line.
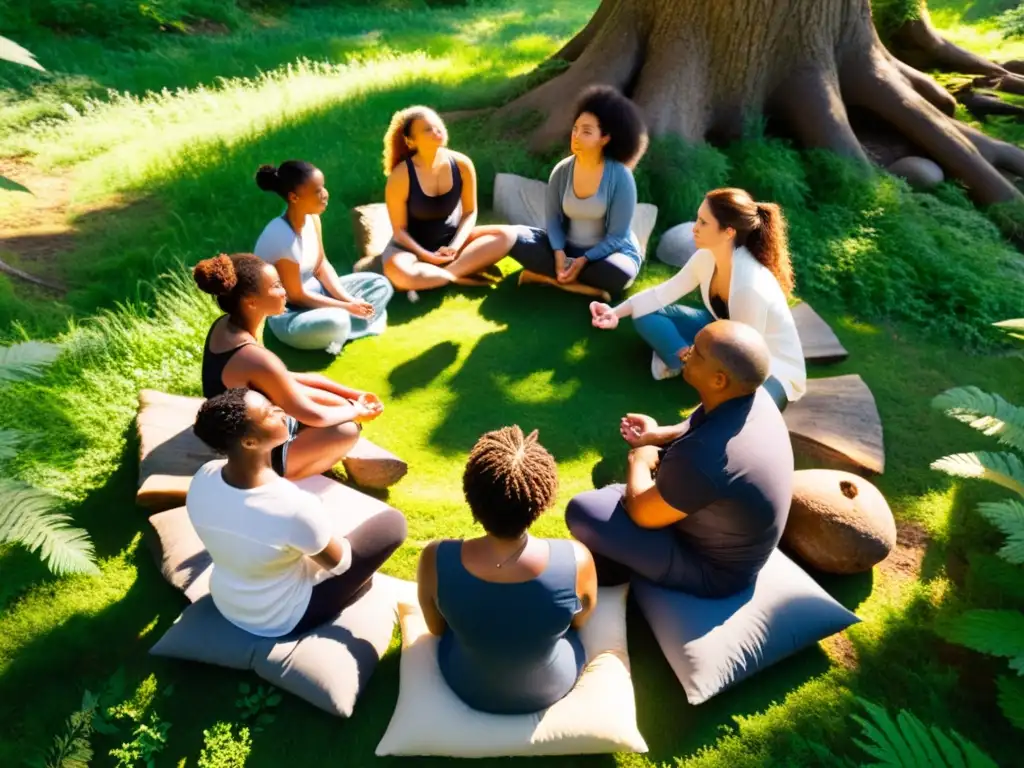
(703,67)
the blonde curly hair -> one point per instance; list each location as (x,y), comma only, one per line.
(395,149)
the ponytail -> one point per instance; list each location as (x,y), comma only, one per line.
(768,243)
(285,179)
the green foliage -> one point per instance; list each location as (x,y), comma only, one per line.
(1011,698)
(1011,22)
(677,175)
(222,749)
(73,747)
(148,741)
(998,633)
(254,705)
(989,414)
(890,15)
(1008,516)
(907,743)
(116,18)
(27,517)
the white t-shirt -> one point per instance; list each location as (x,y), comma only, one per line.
(279,241)
(259,540)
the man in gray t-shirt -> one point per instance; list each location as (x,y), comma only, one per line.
(706,500)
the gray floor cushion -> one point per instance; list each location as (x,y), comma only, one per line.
(328,667)
(714,644)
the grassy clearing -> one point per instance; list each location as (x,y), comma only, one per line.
(907,281)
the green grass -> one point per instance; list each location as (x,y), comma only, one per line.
(907,281)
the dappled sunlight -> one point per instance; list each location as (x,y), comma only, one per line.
(537,387)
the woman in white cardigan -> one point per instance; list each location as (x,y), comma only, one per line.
(743,270)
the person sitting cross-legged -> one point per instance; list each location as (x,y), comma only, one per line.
(706,500)
(278,566)
(507,605)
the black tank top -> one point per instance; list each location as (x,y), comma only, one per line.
(214,364)
(433,221)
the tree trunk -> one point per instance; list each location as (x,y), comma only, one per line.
(703,67)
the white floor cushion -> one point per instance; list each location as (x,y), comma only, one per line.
(598,715)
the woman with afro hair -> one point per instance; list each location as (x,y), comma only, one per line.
(589,246)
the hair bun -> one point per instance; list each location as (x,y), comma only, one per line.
(216,276)
(267,178)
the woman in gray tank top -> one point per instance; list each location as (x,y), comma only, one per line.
(506,605)
(588,246)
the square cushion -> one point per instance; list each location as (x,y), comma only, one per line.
(167,445)
(597,716)
(521,201)
(328,666)
(714,644)
(184,562)
(371,229)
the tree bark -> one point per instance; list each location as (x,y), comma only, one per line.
(700,68)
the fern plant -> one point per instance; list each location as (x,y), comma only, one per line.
(998,633)
(27,515)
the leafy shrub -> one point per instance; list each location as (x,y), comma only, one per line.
(221,749)
(890,15)
(1011,22)
(995,632)
(676,175)
(116,18)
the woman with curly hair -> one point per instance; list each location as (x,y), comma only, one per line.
(324,310)
(431,195)
(324,417)
(589,246)
(743,270)
(506,605)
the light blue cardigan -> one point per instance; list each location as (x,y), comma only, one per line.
(619,189)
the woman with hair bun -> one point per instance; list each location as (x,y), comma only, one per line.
(324,310)
(432,203)
(589,246)
(507,605)
(324,417)
(743,270)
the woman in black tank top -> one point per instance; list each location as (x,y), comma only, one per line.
(325,416)
(431,199)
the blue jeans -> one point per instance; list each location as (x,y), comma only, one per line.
(674,327)
(670,329)
(319,328)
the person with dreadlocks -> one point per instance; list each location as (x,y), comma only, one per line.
(278,565)
(506,605)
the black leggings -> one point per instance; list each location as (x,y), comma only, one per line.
(533,251)
(372,543)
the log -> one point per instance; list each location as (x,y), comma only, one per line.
(836,422)
(819,342)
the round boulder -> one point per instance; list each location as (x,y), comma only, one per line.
(920,172)
(676,245)
(838,522)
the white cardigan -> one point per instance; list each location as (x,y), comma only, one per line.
(755,298)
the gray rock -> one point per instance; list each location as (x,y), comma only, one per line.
(676,245)
(920,172)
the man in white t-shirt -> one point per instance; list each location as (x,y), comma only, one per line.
(278,566)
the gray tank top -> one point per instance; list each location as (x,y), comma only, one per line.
(586,216)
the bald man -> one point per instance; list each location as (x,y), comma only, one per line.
(706,500)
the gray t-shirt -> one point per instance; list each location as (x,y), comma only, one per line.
(586,216)
(732,474)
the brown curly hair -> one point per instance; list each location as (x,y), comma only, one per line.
(510,479)
(229,278)
(395,149)
(760,227)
